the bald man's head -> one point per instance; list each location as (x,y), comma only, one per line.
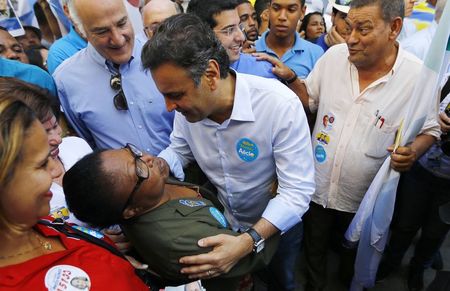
(155,12)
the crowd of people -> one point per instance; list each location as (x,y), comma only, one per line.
(148,144)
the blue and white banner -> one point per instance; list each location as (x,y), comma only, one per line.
(9,18)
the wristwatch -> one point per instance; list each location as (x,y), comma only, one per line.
(291,80)
(258,241)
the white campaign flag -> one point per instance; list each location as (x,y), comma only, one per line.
(370,225)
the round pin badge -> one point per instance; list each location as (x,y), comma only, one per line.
(247,150)
(320,154)
(218,216)
(66,277)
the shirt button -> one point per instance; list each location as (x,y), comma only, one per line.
(140,126)
(132,103)
(148,150)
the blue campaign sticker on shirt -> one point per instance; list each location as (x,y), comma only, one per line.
(320,154)
(247,150)
(192,203)
(218,216)
(89,231)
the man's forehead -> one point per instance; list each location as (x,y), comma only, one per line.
(101,13)
(246,7)
(286,2)
(226,18)
(6,37)
(371,14)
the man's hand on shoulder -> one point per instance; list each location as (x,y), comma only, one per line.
(280,70)
(227,251)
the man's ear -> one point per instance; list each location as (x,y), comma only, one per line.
(303,9)
(212,74)
(396,28)
(130,212)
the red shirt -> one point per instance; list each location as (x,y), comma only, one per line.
(82,266)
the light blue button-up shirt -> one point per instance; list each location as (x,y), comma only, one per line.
(248,64)
(64,48)
(301,57)
(83,83)
(266,138)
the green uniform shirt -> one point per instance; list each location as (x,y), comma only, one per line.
(165,234)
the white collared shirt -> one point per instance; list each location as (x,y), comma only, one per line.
(350,143)
(266,137)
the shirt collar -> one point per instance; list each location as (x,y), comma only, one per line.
(398,61)
(242,105)
(298,43)
(108,65)
(261,44)
(76,39)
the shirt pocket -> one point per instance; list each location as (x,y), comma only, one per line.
(376,138)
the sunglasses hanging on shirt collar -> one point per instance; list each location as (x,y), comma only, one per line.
(120,101)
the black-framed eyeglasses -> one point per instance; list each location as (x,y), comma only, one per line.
(120,101)
(141,169)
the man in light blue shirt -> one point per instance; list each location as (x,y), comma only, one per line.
(245,132)
(68,45)
(106,95)
(284,43)
(223,18)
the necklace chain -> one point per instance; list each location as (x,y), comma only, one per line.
(42,244)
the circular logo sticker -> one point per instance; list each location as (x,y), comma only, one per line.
(247,150)
(218,216)
(320,154)
(66,277)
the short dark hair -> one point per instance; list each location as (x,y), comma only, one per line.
(37,98)
(302,2)
(91,192)
(207,9)
(239,2)
(260,6)
(35,30)
(185,41)
(390,9)
(306,20)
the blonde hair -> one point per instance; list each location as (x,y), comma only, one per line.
(15,120)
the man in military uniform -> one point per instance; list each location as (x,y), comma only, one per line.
(163,221)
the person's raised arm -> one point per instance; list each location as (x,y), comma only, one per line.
(288,77)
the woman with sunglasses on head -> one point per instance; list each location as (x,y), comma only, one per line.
(64,151)
(33,255)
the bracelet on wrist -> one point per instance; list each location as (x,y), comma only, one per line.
(291,80)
